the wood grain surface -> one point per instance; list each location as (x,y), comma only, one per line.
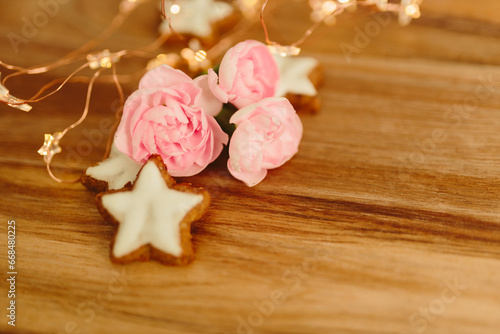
(386,221)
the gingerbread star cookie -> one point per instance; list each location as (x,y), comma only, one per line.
(202,19)
(300,77)
(111,174)
(154,216)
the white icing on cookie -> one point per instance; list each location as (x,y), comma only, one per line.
(150,213)
(196,16)
(294,75)
(117,170)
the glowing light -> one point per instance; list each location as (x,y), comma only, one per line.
(196,60)
(170,59)
(284,51)
(409,10)
(50,146)
(200,55)
(328,8)
(187,53)
(103,59)
(413,11)
(175,9)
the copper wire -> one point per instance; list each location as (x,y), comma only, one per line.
(74,125)
(391,7)
(118,113)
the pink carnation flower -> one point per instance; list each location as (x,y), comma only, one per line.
(267,135)
(170,115)
(247,74)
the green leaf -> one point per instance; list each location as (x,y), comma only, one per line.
(223,118)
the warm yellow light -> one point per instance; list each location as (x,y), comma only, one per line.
(175,9)
(284,50)
(413,10)
(200,55)
(170,59)
(328,8)
(344,1)
(103,59)
(106,62)
(187,53)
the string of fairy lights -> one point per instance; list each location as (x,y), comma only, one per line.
(326,10)
(193,55)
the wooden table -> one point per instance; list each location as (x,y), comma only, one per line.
(387,221)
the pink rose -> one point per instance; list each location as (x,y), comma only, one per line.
(267,135)
(169,115)
(247,74)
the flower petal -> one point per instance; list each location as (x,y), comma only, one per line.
(250,179)
(209,103)
(163,76)
(220,94)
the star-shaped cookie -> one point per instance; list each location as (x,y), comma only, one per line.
(197,17)
(111,174)
(295,75)
(299,79)
(154,216)
(205,20)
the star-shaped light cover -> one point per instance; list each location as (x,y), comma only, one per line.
(12,101)
(50,146)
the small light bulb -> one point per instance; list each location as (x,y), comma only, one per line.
(103,59)
(413,11)
(187,53)
(106,62)
(175,9)
(50,146)
(200,55)
(12,101)
(284,50)
(328,8)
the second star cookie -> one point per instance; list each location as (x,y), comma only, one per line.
(300,78)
